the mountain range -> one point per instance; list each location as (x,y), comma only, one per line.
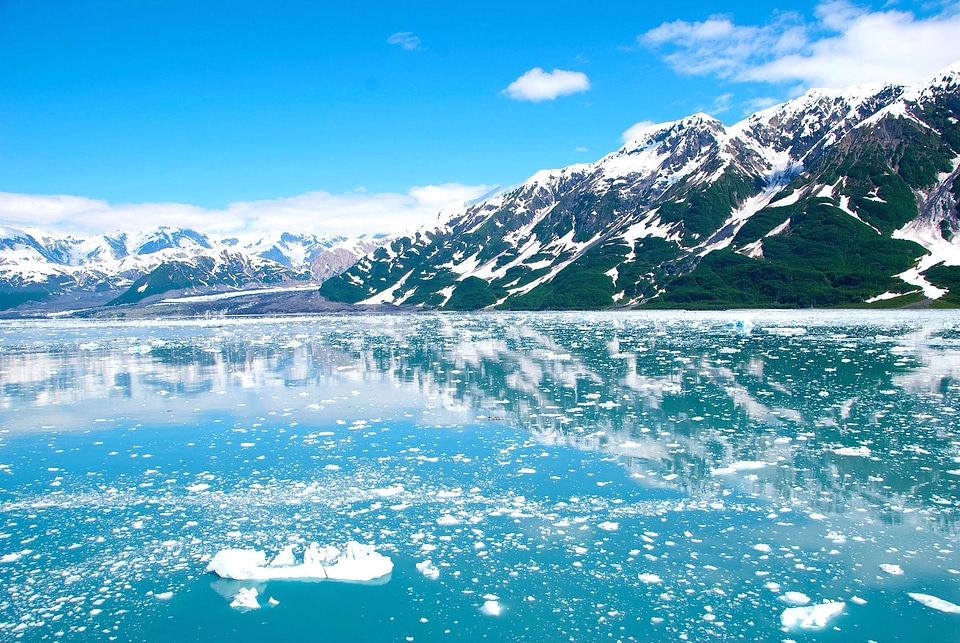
(837,198)
(840,197)
(46,271)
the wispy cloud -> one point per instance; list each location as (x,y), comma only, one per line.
(405,40)
(321,213)
(845,44)
(636,130)
(537,85)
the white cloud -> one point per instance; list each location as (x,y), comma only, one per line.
(405,40)
(636,130)
(721,103)
(320,213)
(537,85)
(844,45)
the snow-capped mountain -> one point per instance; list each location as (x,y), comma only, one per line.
(838,197)
(38,266)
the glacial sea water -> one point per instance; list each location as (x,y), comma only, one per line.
(597,477)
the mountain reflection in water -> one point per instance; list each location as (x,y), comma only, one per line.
(843,411)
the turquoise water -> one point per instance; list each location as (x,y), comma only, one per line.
(614,477)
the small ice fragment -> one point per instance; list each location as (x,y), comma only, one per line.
(812,617)
(609,526)
(428,569)
(247,445)
(765,548)
(860,452)
(272,601)
(447,519)
(742,465)
(817,516)
(491,608)
(163,596)
(935,603)
(246,599)
(9,558)
(527,470)
(857,600)
(893,570)
(387,492)
(795,598)
(649,579)
(197,488)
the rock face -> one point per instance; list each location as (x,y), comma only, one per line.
(839,197)
(41,268)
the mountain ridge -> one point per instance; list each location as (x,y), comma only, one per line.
(665,219)
(48,269)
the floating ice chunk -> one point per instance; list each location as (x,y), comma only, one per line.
(858,600)
(935,603)
(817,516)
(526,470)
(763,547)
(491,608)
(428,569)
(812,617)
(272,601)
(246,599)
(649,579)
(387,492)
(9,558)
(358,563)
(795,598)
(447,519)
(861,451)
(893,570)
(609,526)
(197,488)
(163,596)
(238,564)
(742,465)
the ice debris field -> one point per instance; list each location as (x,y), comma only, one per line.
(500,477)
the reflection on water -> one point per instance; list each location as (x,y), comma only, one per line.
(847,411)
(845,417)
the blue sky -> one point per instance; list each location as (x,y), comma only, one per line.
(337,117)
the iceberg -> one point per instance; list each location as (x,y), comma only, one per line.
(812,617)
(935,603)
(246,599)
(357,563)
(491,608)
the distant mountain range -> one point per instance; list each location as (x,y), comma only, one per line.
(838,198)
(49,272)
(844,197)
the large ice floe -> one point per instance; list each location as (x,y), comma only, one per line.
(811,617)
(357,563)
